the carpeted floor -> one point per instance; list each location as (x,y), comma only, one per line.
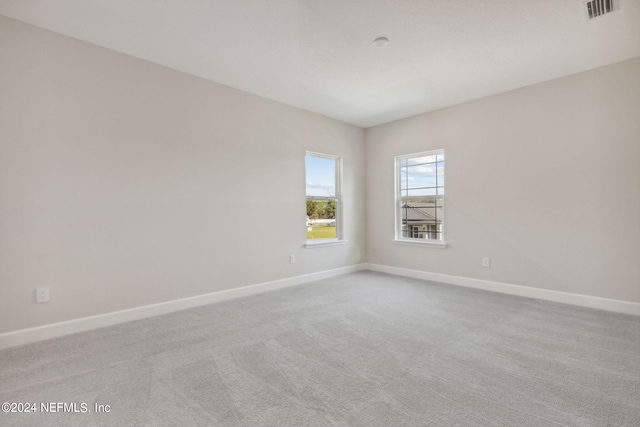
(364,349)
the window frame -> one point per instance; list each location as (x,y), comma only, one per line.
(339,239)
(399,199)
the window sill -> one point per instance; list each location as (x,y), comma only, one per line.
(321,244)
(421,242)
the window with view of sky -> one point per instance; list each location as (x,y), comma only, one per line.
(321,176)
(420,196)
(322,196)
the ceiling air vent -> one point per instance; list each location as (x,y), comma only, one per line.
(595,8)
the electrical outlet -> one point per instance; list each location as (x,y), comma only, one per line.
(42,294)
(292,259)
(486,262)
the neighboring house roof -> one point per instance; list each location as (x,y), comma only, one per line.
(422,212)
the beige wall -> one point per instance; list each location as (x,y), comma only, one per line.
(545,180)
(123,183)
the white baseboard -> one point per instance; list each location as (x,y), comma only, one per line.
(599,303)
(53,330)
(44,332)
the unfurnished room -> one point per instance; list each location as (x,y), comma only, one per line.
(320,213)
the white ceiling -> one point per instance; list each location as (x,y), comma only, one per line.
(318,55)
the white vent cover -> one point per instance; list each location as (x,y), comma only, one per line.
(595,8)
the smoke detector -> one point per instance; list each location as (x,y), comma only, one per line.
(381,41)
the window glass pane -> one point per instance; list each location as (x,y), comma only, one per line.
(422,219)
(440,173)
(422,192)
(320,176)
(321,219)
(418,181)
(421,160)
(420,176)
(403,178)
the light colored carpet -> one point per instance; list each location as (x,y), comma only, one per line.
(364,349)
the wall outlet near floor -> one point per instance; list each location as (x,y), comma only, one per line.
(486,261)
(292,259)
(42,294)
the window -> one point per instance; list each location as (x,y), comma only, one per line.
(420,197)
(323,198)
